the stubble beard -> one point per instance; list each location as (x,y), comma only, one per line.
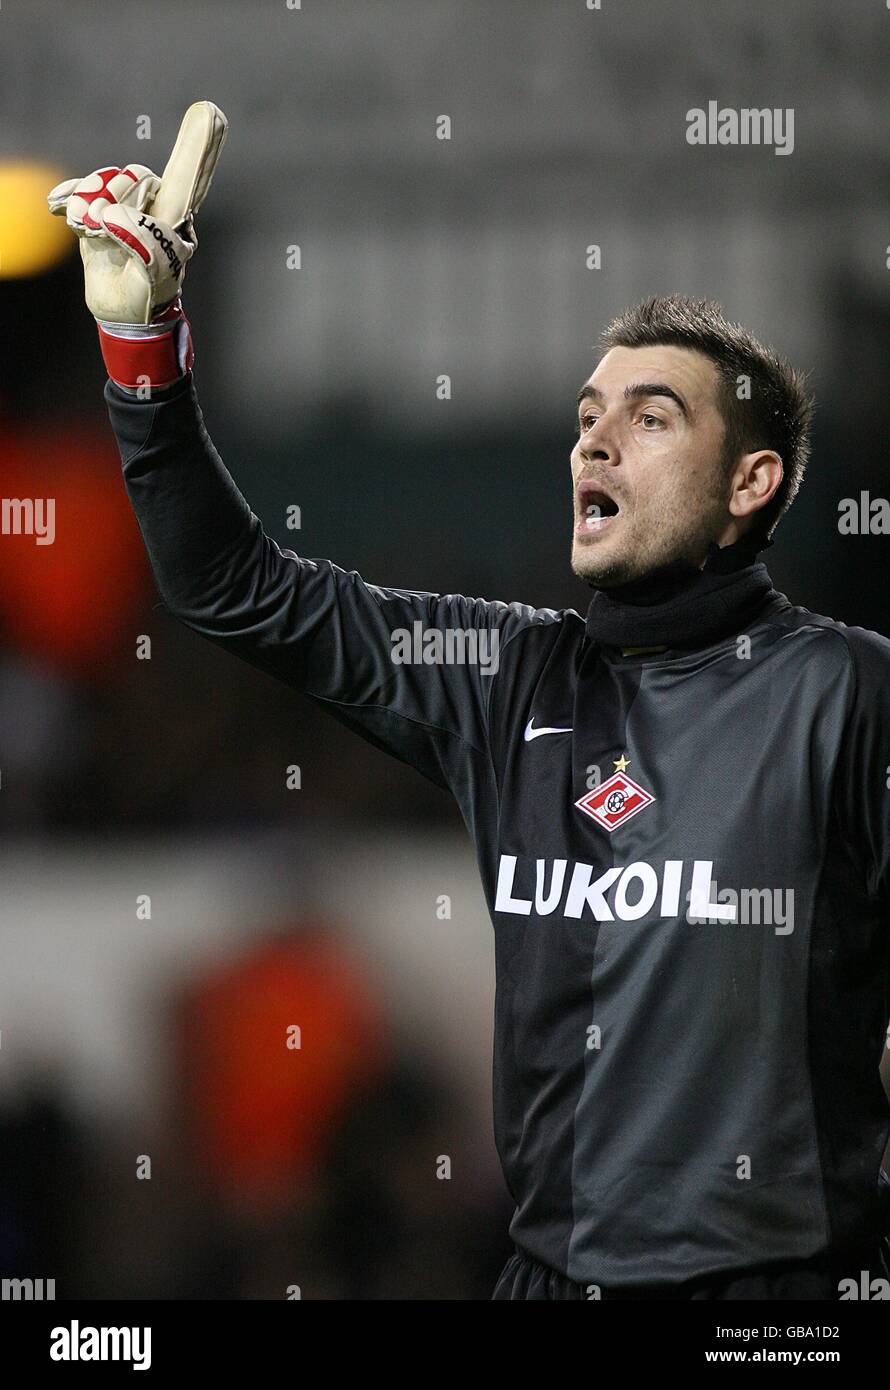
(634,558)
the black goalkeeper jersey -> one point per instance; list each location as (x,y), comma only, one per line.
(685,855)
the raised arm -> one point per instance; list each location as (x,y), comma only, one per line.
(411,671)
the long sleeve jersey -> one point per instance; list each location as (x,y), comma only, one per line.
(685,855)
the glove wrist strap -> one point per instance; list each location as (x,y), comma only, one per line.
(140,356)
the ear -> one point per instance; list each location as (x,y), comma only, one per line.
(753,483)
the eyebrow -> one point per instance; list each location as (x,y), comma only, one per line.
(638,391)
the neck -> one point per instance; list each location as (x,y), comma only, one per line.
(681,605)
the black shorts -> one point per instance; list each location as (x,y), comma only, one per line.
(524,1278)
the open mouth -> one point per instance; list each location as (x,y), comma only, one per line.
(597,508)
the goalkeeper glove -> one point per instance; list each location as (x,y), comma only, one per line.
(136,234)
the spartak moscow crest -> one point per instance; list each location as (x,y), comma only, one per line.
(616,800)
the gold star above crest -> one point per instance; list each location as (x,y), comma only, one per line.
(622,763)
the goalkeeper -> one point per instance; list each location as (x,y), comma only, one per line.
(679,800)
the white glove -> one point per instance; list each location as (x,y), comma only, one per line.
(134,263)
(136,234)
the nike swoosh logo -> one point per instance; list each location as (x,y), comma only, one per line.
(531,732)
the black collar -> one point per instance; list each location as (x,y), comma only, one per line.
(681,606)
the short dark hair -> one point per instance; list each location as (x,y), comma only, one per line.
(778,414)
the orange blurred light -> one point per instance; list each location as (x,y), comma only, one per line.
(74,604)
(261,1110)
(31,239)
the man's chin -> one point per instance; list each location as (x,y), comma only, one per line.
(600,565)
(601,573)
(608,565)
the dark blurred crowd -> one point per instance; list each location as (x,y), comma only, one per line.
(342,1168)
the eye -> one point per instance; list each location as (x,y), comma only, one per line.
(655,420)
(586,422)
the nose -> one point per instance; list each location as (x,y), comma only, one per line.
(598,444)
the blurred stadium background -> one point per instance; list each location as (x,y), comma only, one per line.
(122,1037)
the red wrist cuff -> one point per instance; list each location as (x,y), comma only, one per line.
(156,355)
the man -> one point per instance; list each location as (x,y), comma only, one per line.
(679,801)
